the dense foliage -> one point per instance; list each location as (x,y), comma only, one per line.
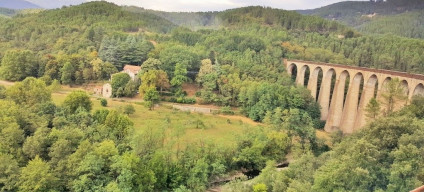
(49,147)
(387,155)
(409,24)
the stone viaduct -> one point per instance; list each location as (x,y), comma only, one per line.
(343,91)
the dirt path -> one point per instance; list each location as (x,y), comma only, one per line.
(6,83)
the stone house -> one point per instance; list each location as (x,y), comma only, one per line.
(132,71)
(107,90)
(98,90)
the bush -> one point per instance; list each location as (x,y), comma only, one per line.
(260,188)
(103,102)
(148,104)
(227,110)
(129,109)
(319,124)
(2,92)
(198,94)
(183,100)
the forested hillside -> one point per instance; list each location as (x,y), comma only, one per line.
(408,24)
(289,20)
(4,12)
(399,17)
(74,28)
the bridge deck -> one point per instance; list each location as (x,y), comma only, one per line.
(389,72)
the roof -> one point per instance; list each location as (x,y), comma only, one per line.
(134,69)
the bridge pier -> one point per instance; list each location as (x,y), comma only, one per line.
(313,82)
(367,95)
(336,105)
(324,94)
(350,108)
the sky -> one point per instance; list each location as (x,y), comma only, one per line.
(219,5)
(199,5)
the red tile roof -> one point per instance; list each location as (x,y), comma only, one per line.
(134,69)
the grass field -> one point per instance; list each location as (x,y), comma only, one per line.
(217,128)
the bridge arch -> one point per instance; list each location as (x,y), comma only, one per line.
(315,81)
(303,76)
(292,71)
(405,87)
(419,90)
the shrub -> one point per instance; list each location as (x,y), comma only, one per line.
(260,188)
(103,102)
(227,110)
(183,100)
(198,94)
(2,92)
(129,109)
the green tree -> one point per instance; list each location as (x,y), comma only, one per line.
(206,68)
(29,92)
(9,173)
(299,124)
(393,93)
(37,176)
(11,138)
(94,171)
(150,64)
(198,176)
(131,88)
(180,75)
(68,72)
(154,79)
(151,97)
(119,127)
(119,81)
(373,109)
(16,65)
(77,99)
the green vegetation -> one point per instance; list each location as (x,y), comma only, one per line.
(67,142)
(103,102)
(384,156)
(400,17)
(409,24)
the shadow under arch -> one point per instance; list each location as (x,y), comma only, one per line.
(419,90)
(292,70)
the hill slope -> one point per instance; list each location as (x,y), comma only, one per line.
(246,16)
(18,4)
(76,27)
(5,12)
(408,24)
(393,16)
